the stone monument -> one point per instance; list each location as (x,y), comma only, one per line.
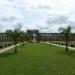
(34,38)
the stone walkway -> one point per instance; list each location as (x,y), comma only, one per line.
(8,48)
(61,46)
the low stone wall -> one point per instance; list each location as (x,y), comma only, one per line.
(71,43)
(5,44)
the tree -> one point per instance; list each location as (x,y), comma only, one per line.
(15,36)
(27,37)
(66,32)
(22,38)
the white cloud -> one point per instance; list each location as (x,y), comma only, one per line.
(35,13)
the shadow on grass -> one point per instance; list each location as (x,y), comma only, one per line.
(8,53)
(69,53)
(11,52)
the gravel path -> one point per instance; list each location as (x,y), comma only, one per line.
(61,46)
(8,48)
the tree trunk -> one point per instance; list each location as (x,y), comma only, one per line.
(66,46)
(67,42)
(50,42)
(15,47)
(23,44)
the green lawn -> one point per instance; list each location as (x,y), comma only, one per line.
(38,59)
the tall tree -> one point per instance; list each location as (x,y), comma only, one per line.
(16,35)
(27,37)
(66,32)
(22,38)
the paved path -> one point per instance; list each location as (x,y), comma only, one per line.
(8,48)
(60,46)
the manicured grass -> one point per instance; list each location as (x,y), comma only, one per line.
(38,59)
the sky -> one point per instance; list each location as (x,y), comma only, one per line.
(44,15)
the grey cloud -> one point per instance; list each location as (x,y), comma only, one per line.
(8,19)
(46,7)
(60,21)
(43,6)
(57,20)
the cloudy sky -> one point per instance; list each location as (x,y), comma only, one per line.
(45,15)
